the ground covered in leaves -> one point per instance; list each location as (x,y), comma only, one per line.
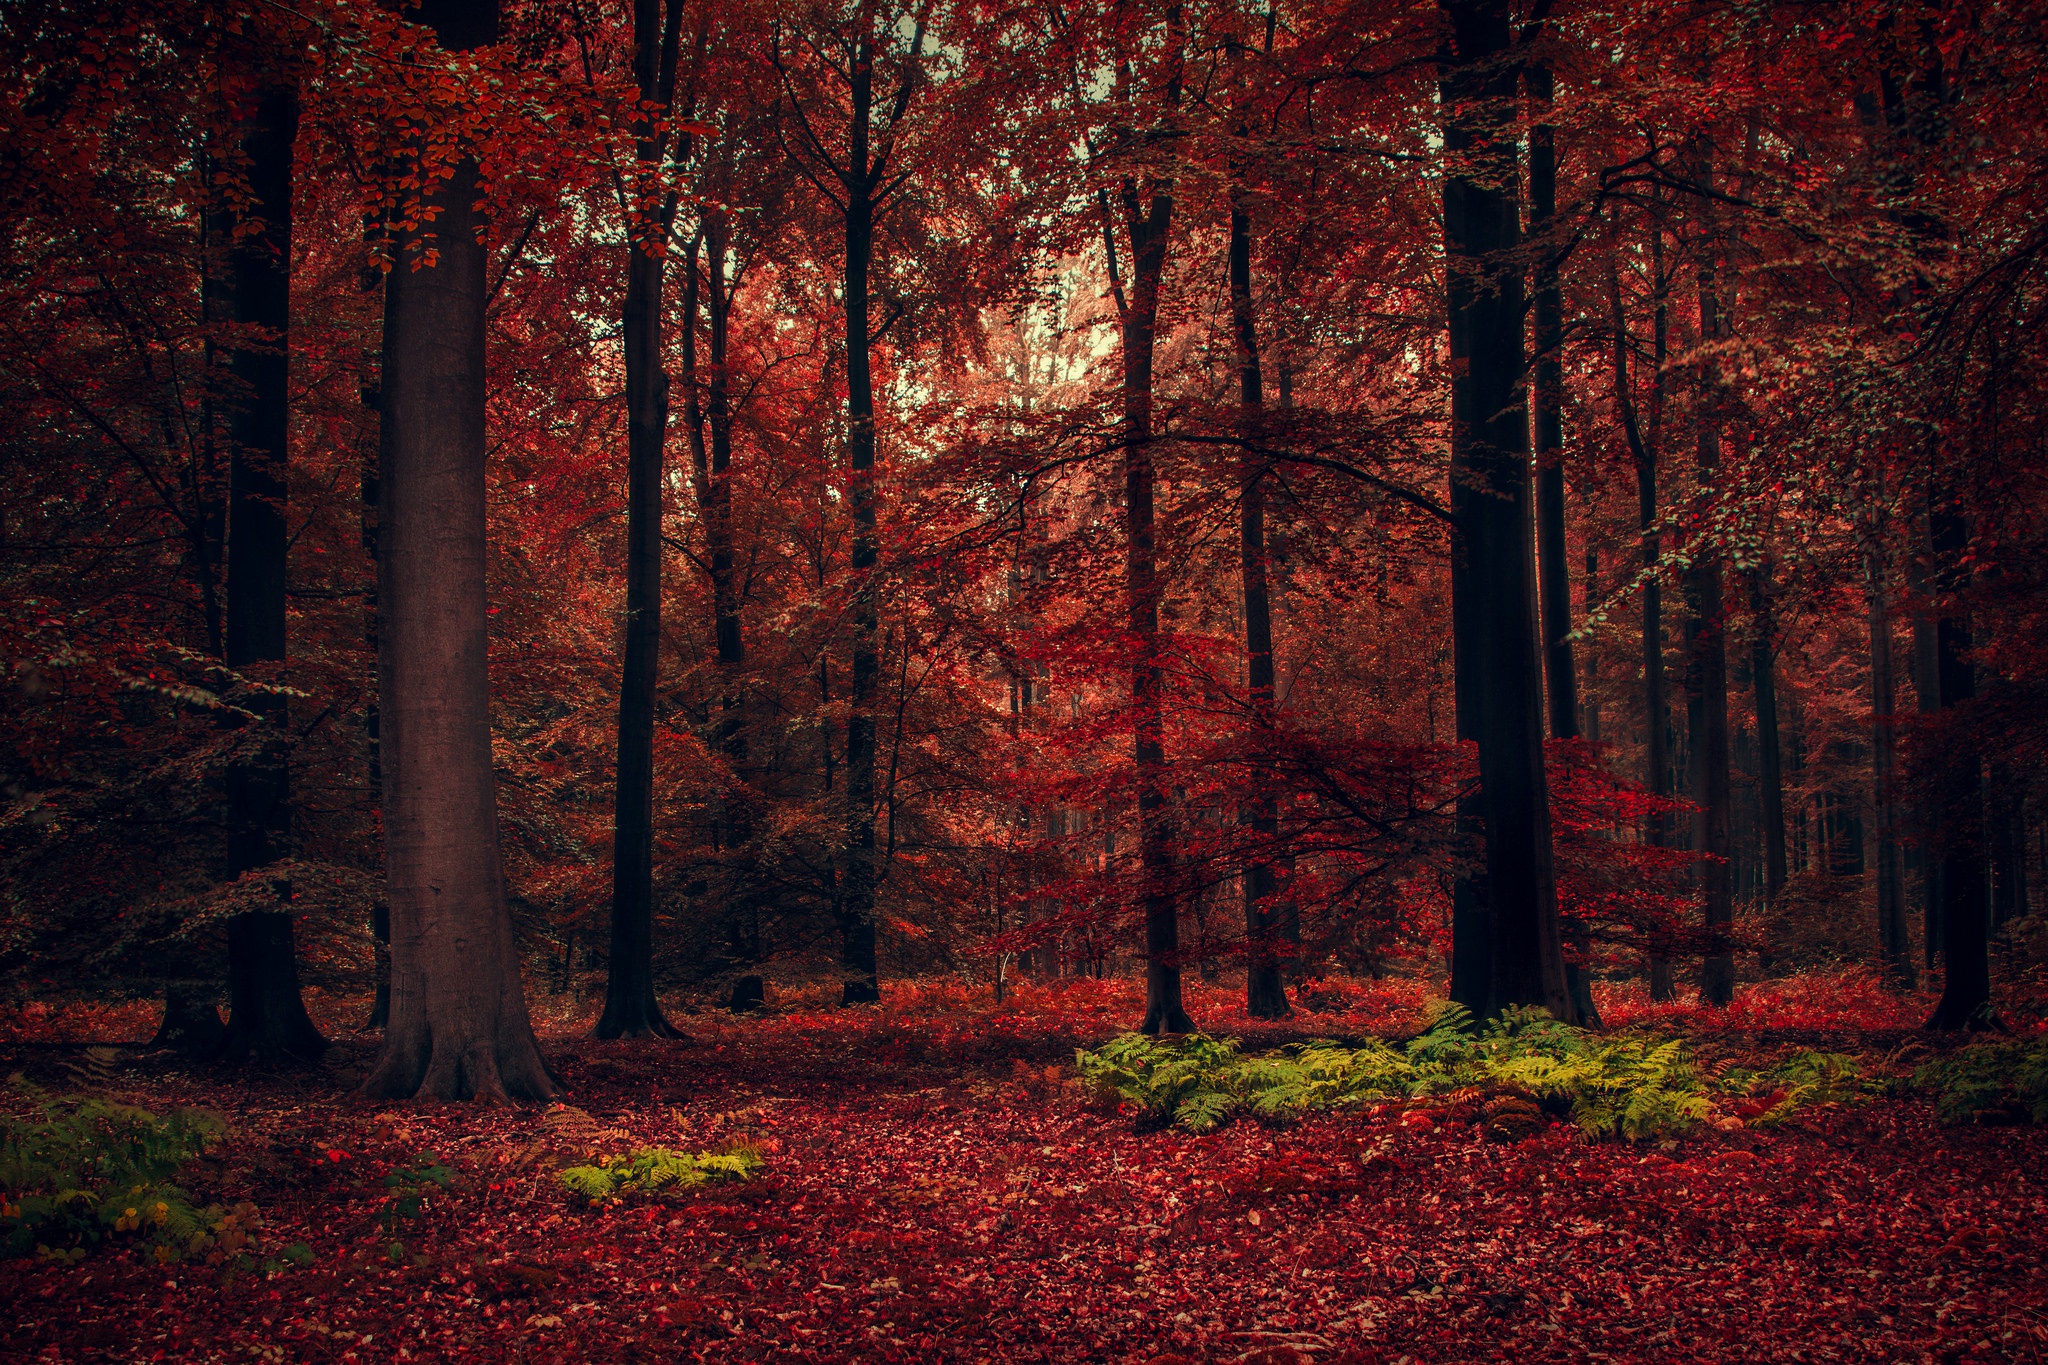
(937,1186)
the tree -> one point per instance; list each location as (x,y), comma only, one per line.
(630,1006)
(459,1027)
(267,1018)
(1498,675)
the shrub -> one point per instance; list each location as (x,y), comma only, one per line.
(1990,1082)
(77,1173)
(655,1171)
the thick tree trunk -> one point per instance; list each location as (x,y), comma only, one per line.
(1265,990)
(266,1016)
(1497,661)
(370,473)
(1148,220)
(631,1009)
(1891,902)
(459,1027)
(1965,897)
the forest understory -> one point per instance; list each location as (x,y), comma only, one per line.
(939,1186)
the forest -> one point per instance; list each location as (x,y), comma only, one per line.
(1305,682)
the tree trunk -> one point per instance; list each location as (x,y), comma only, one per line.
(1770,763)
(459,1026)
(371,464)
(1148,221)
(1496,646)
(1891,903)
(1554,584)
(631,1009)
(1265,990)
(1656,711)
(1965,900)
(857,895)
(266,1016)
(1707,670)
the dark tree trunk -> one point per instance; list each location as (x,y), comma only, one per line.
(1770,764)
(1656,710)
(266,1016)
(191,1022)
(1554,583)
(631,1009)
(1265,990)
(1891,902)
(1148,220)
(371,465)
(1707,670)
(857,896)
(1496,645)
(1965,897)
(459,1027)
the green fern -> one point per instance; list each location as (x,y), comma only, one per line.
(653,1171)
(1989,1079)
(76,1173)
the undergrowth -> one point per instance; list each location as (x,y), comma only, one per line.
(1627,1086)
(79,1172)
(1990,1083)
(655,1171)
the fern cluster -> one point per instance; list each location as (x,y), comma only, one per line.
(1630,1087)
(655,1171)
(75,1174)
(2002,1080)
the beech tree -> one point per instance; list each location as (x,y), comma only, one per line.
(459,1027)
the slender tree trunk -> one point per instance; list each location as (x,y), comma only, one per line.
(459,1026)
(857,896)
(1927,693)
(1965,898)
(1707,668)
(266,1016)
(1265,991)
(1497,661)
(1148,220)
(1891,903)
(1554,585)
(1770,765)
(631,1009)
(1589,701)
(1656,709)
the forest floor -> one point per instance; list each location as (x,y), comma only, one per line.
(938,1187)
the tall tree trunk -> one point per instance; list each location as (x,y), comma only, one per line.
(857,894)
(266,1016)
(459,1026)
(1965,897)
(1554,584)
(1927,694)
(1707,665)
(1891,903)
(631,1009)
(1656,710)
(1265,991)
(1497,663)
(370,473)
(1770,763)
(1148,220)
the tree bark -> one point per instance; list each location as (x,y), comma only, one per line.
(459,1027)
(1965,897)
(631,1009)
(1707,664)
(1891,904)
(1265,990)
(266,1016)
(857,895)
(1770,762)
(1148,219)
(1497,663)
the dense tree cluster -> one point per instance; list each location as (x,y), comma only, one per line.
(1061,486)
